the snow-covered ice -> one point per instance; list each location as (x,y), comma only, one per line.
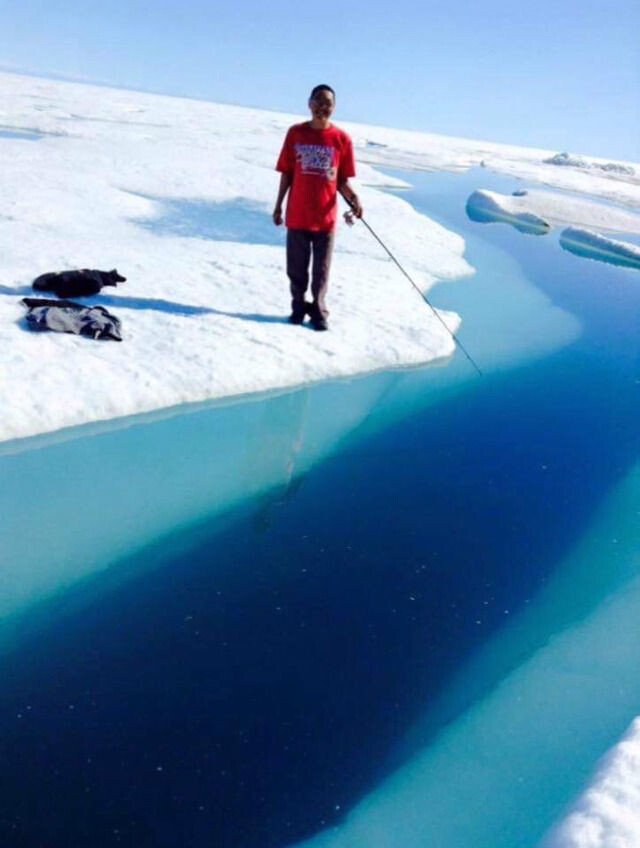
(203,317)
(595,246)
(607,815)
(581,162)
(89,175)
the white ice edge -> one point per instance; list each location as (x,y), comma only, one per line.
(202,318)
(607,814)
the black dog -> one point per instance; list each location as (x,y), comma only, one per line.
(77,283)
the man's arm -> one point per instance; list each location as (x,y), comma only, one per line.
(285,185)
(351,197)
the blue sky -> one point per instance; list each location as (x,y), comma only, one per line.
(563,75)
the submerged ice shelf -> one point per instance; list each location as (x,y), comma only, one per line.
(236,452)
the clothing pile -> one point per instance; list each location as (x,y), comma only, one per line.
(67,316)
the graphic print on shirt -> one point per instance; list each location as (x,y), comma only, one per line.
(316,159)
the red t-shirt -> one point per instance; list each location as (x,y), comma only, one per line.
(318,161)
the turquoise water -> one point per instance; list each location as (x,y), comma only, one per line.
(238,624)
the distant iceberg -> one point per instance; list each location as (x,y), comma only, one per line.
(592,245)
(488,206)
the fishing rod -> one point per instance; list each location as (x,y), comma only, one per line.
(349,218)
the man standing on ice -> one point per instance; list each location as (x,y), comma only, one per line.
(315,164)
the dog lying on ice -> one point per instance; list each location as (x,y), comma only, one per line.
(80,283)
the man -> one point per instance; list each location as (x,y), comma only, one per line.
(315,164)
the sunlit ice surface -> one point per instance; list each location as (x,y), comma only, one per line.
(108,184)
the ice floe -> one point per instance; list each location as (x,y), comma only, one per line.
(592,245)
(534,208)
(92,176)
(489,207)
(203,310)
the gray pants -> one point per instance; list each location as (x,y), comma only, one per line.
(300,244)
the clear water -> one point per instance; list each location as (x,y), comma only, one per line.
(233,625)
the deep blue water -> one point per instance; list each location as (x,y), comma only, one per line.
(257,672)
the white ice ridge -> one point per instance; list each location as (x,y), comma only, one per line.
(97,177)
(536,210)
(567,159)
(595,246)
(607,815)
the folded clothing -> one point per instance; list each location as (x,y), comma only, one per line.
(66,316)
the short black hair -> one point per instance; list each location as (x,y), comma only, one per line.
(318,88)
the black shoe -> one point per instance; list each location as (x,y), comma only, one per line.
(298,313)
(319,323)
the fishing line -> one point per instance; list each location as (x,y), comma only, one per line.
(349,218)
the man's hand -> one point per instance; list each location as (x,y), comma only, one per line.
(285,185)
(354,202)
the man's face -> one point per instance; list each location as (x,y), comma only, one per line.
(322,105)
